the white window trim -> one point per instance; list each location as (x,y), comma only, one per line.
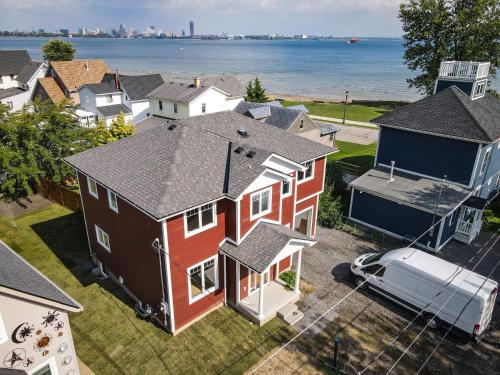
(97,229)
(313,166)
(270,204)
(289,191)
(3,332)
(204,292)
(110,193)
(481,172)
(96,194)
(268,272)
(200,229)
(52,365)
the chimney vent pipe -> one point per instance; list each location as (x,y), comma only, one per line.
(392,170)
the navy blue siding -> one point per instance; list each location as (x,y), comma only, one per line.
(449,229)
(393,217)
(466,87)
(488,179)
(427,154)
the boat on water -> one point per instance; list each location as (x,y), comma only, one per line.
(353,41)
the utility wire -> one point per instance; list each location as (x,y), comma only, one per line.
(458,317)
(401,331)
(441,307)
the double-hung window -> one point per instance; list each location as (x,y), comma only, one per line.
(92,185)
(109,98)
(261,203)
(301,126)
(286,188)
(113,201)
(202,279)
(203,107)
(486,161)
(160,105)
(308,173)
(175,108)
(102,238)
(200,218)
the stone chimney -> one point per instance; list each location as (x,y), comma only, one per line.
(197,82)
(117,79)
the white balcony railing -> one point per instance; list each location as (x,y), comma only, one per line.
(464,69)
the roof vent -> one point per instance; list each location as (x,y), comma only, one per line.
(239,149)
(172,127)
(243,132)
(250,154)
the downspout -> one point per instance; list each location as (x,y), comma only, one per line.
(169,276)
(436,210)
(158,248)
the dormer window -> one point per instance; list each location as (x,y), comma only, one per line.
(200,218)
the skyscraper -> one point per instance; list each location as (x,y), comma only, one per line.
(191,28)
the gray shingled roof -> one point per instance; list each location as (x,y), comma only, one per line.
(151,122)
(13,61)
(113,110)
(28,71)
(101,88)
(262,245)
(260,112)
(195,156)
(185,92)
(137,87)
(279,117)
(299,107)
(418,191)
(449,113)
(325,128)
(18,275)
(11,91)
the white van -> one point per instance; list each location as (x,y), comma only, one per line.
(412,278)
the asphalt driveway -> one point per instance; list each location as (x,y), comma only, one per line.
(366,322)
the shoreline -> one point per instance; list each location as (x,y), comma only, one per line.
(318,99)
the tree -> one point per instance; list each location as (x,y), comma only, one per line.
(255,92)
(119,129)
(330,211)
(436,30)
(58,50)
(250,93)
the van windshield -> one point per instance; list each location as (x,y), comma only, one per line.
(372,258)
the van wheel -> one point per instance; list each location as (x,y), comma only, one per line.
(432,321)
(358,281)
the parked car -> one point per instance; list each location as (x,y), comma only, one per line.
(413,279)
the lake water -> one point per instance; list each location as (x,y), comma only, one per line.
(371,69)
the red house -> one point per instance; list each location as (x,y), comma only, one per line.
(186,215)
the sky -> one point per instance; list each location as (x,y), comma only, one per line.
(289,17)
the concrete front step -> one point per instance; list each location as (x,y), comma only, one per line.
(290,313)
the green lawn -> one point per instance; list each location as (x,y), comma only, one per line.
(356,112)
(108,336)
(357,154)
(491,216)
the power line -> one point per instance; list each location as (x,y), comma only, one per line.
(341,300)
(401,331)
(458,317)
(441,307)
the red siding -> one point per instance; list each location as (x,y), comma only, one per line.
(285,263)
(243,282)
(186,252)
(315,185)
(131,234)
(245,222)
(230,218)
(287,207)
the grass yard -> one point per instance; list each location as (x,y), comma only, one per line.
(357,154)
(491,216)
(355,112)
(108,336)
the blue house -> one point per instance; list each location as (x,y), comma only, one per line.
(437,162)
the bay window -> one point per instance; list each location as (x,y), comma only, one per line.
(203,279)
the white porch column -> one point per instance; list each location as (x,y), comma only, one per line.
(237,283)
(277,270)
(297,272)
(261,296)
(225,281)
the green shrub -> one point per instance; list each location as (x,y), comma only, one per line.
(289,278)
(331,209)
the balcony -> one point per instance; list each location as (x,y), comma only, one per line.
(464,70)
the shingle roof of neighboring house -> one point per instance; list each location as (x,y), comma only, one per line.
(52,89)
(299,107)
(113,110)
(101,88)
(260,112)
(75,73)
(186,92)
(449,113)
(137,87)
(166,169)
(262,245)
(279,117)
(11,91)
(327,128)
(13,61)
(28,71)
(18,275)
(417,191)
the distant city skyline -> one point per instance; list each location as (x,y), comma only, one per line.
(290,17)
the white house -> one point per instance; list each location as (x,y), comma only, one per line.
(135,90)
(35,334)
(175,100)
(18,77)
(103,101)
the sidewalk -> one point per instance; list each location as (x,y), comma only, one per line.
(347,122)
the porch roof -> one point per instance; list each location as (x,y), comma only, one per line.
(263,245)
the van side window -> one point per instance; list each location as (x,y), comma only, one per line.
(374,268)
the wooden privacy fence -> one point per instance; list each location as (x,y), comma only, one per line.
(59,194)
